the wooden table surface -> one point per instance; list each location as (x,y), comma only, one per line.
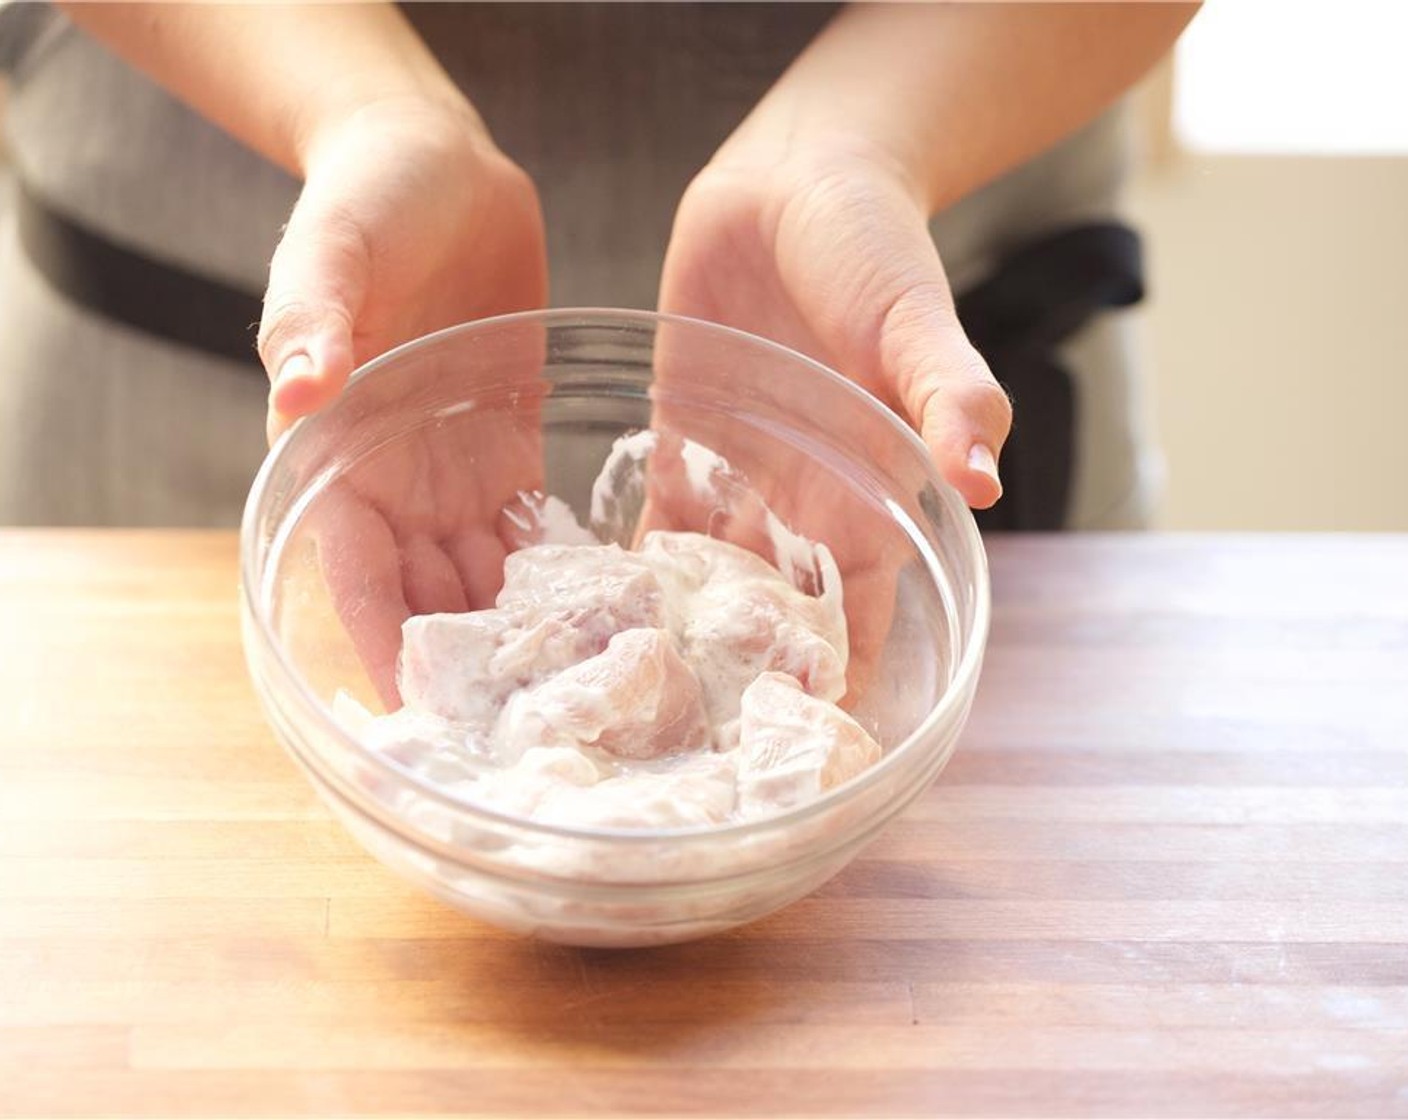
(1165,874)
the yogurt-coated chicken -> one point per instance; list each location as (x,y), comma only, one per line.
(686,683)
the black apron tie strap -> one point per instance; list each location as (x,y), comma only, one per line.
(1017,318)
(156,297)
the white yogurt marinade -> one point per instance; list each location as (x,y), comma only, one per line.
(681,684)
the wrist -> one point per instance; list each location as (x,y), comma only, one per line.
(796,155)
(444,118)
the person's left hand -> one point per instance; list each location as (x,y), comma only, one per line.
(828,251)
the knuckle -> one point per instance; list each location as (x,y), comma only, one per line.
(715,190)
(964,386)
(987,402)
(510,181)
(982,400)
(910,314)
(289,319)
(520,178)
(719,207)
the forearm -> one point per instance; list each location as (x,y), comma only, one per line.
(956,94)
(275,76)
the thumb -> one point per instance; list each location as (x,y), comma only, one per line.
(876,293)
(318,280)
(947,389)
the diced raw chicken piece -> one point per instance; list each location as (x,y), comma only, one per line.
(699,790)
(464,666)
(687,561)
(737,630)
(598,590)
(637,700)
(535,650)
(793,747)
(444,668)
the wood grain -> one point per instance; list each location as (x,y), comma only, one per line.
(1165,874)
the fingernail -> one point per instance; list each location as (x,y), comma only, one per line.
(980,459)
(296,367)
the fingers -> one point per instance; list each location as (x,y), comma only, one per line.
(478,557)
(431,581)
(361,565)
(317,283)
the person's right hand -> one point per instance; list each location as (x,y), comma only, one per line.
(410,220)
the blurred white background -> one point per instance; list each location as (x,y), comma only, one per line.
(1274,196)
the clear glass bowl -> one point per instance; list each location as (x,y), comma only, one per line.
(389,501)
